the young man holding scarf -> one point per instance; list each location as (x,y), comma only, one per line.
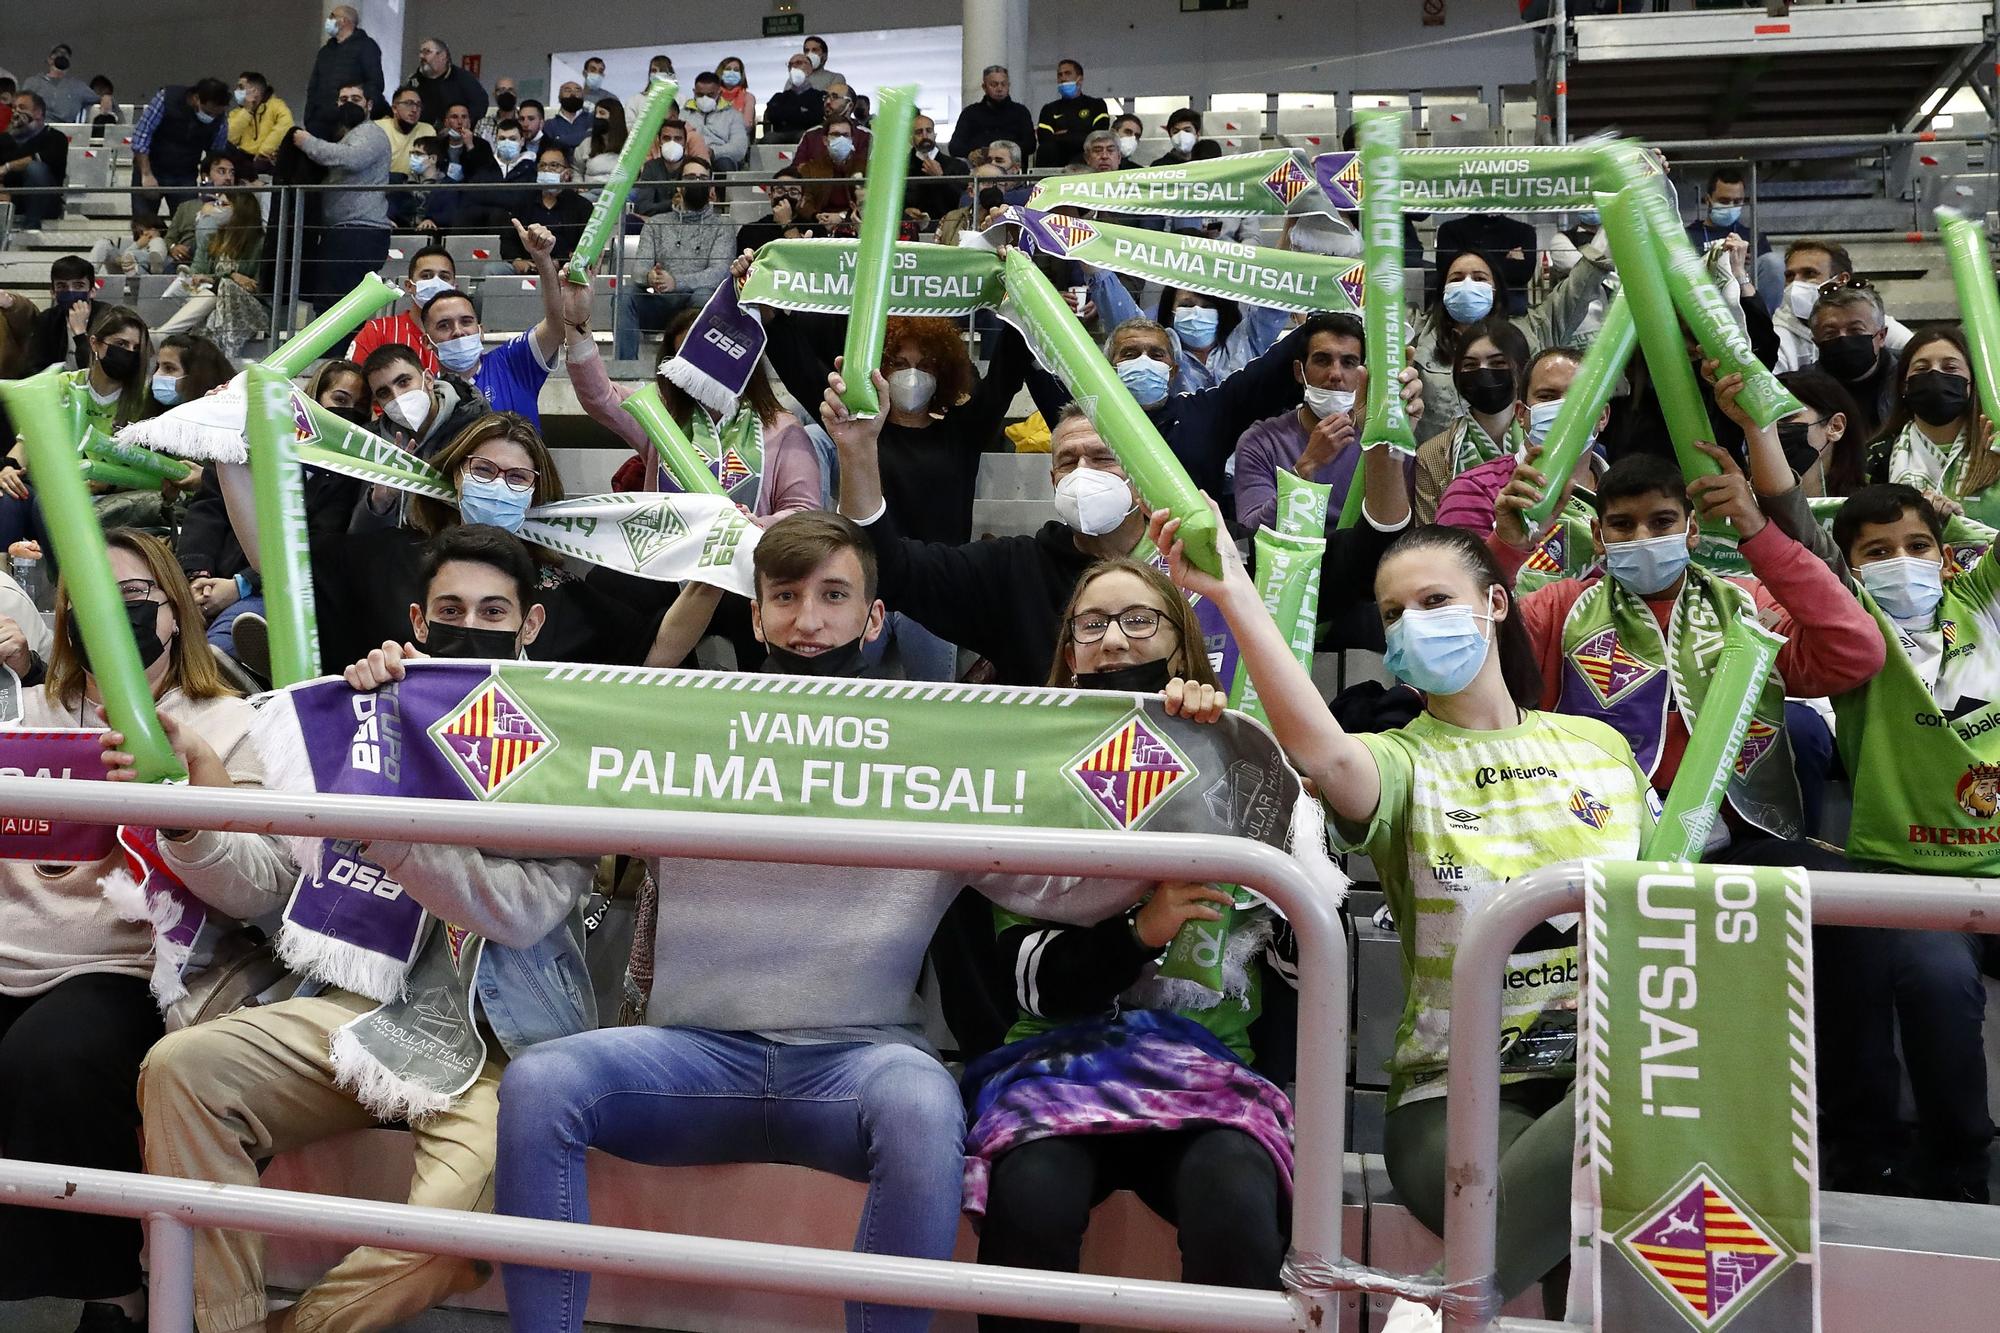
(818,1059)
(494,950)
(1925,732)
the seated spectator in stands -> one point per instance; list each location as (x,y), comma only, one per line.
(1382,791)
(1922,732)
(1006,158)
(220,1096)
(349,56)
(33,157)
(222,282)
(406,206)
(354,222)
(1068,1111)
(112,387)
(659,64)
(796,107)
(105,111)
(418,411)
(1487,383)
(659,178)
(1938,441)
(467,157)
(203,213)
(1508,242)
(17,332)
(512,374)
(432,272)
(841,162)
(718,123)
(572,123)
(598,158)
(1100,151)
(736,93)
(1183,136)
(534,118)
(851,1088)
(59,335)
(506,101)
(80,1013)
(146,252)
(996,115)
(404,125)
(787,218)
(65,98)
(7,91)
(1128,129)
(1469,499)
(972,214)
(1474,286)
(1722,200)
(260,122)
(1814,268)
(181,126)
(813,145)
(1822,447)
(441,83)
(450,210)
(187,366)
(929,200)
(218,570)
(1850,329)
(557,207)
(1064,123)
(681,258)
(1215,337)
(517,168)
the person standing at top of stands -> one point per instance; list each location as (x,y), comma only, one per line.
(1183,137)
(349,56)
(924,192)
(1064,123)
(594,90)
(718,123)
(996,115)
(512,374)
(573,122)
(1850,329)
(404,126)
(1722,214)
(33,155)
(796,107)
(505,100)
(182,125)
(353,237)
(440,83)
(432,272)
(65,96)
(815,51)
(260,122)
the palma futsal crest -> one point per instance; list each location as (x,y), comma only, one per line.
(491,739)
(1127,771)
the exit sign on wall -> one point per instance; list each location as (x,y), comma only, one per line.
(1203,6)
(784,25)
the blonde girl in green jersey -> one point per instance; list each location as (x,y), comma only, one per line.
(1477,789)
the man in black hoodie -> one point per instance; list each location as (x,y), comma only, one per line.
(349,56)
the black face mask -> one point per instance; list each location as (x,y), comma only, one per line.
(571,104)
(1937,397)
(1795,437)
(64,300)
(504,101)
(990,198)
(441,640)
(1851,358)
(349,116)
(60,62)
(143,617)
(1490,389)
(844,660)
(694,198)
(1139,678)
(119,362)
(358,414)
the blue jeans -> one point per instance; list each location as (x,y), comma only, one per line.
(643,312)
(33,210)
(223,626)
(887,1114)
(925,656)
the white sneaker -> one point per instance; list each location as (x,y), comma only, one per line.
(1409,1317)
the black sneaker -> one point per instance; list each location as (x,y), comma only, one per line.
(250,636)
(104,1317)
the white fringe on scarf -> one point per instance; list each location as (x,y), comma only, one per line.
(162,912)
(388,1096)
(699,385)
(209,429)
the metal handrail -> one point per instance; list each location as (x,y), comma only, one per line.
(1310,902)
(1495,925)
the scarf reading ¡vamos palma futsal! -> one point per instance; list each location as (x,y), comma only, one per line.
(1544,179)
(628,738)
(1697,1202)
(1618,668)
(1273,182)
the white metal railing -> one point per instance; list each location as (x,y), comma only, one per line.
(1472,1102)
(171,1207)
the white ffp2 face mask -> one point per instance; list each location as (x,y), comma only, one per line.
(1093,502)
(1324,402)
(408,410)
(910,389)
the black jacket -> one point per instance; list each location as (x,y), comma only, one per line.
(1063,126)
(356,60)
(50,341)
(448,89)
(789,114)
(982,122)
(935,198)
(52,146)
(207,543)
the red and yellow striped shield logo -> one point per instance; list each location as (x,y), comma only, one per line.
(1127,772)
(492,739)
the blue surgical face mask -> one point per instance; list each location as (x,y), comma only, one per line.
(166,388)
(1468,300)
(430,287)
(1542,419)
(1197,324)
(1437,651)
(1908,588)
(1066,89)
(1590,217)
(507,149)
(732,78)
(1724,215)
(839,147)
(459,355)
(1648,565)
(1146,377)
(493,502)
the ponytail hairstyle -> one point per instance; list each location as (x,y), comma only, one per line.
(1518,666)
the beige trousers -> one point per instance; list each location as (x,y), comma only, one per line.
(220,1096)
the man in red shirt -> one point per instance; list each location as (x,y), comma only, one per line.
(432,272)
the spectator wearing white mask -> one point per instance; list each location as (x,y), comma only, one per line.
(1812,265)
(718,122)
(593,81)
(1183,137)
(1128,129)
(821,77)
(660,64)
(796,107)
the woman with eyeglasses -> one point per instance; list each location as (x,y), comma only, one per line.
(1938,440)
(1476,790)
(83,979)
(1115,1077)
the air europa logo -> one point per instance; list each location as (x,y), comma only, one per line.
(1487,777)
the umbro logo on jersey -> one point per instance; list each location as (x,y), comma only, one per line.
(1461,817)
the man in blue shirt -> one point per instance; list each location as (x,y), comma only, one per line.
(573,121)
(512,374)
(1722,215)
